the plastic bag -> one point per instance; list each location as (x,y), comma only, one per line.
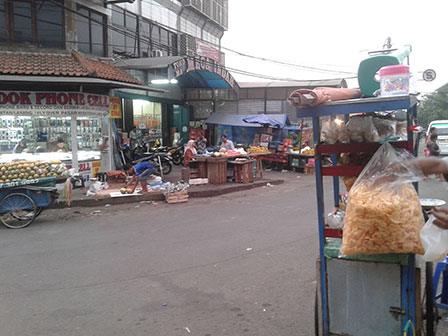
(402,130)
(434,240)
(383,212)
(362,129)
(335,219)
(385,127)
(335,132)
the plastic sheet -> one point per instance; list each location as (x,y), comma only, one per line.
(434,240)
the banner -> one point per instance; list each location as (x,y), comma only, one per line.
(24,103)
(115,107)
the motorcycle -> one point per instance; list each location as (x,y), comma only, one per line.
(177,154)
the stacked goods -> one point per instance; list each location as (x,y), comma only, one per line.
(27,170)
(258,150)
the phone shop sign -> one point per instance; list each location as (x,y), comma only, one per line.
(24,103)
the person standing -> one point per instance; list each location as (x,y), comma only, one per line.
(433,147)
(201,144)
(226,143)
(134,136)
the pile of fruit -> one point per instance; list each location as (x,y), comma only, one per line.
(27,170)
(126,191)
(308,152)
(257,150)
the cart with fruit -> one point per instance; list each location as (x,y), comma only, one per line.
(26,188)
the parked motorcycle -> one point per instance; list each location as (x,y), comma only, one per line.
(177,153)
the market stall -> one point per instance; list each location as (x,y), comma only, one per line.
(364,293)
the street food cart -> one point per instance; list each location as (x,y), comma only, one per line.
(367,295)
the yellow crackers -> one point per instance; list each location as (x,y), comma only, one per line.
(382,220)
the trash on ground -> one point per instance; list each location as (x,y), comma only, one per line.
(284,171)
(269,185)
(145,202)
(107,205)
(249,249)
(188,330)
(96,212)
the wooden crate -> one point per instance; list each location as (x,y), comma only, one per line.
(177,197)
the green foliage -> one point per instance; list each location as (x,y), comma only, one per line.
(433,107)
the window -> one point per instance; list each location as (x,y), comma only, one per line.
(2,21)
(32,22)
(91,32)
(125,31)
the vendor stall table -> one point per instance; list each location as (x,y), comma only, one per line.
(243,171)
(359,296)
(217,170)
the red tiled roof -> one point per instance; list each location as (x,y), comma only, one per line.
(75,65)
(103,70)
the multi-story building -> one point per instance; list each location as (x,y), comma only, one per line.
(69,46)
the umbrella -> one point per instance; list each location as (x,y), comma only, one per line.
(262,119)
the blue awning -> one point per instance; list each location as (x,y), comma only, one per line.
(237,119)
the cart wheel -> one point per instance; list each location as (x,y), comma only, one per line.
(39,211)
(18,211)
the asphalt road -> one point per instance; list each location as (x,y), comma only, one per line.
(240,264)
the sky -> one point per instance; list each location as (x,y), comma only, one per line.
(335,35)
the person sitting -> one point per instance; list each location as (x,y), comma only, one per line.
(226,143)
(60,146)
(190,152)
(141,172)
(20,147)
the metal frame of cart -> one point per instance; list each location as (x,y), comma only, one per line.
(407,308)
(22,202)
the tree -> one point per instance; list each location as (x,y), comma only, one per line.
(433,106)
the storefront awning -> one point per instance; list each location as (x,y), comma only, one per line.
(190,72)
(237,120)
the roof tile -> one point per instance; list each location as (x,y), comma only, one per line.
(74,65)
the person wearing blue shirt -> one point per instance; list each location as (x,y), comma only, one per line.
(141,171)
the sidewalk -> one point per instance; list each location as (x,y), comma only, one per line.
(79,199)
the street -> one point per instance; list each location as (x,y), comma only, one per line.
(239,264)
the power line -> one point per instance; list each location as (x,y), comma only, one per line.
(150,41)
(304,67)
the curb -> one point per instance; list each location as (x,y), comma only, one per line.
(95,202)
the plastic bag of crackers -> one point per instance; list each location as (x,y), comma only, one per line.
(383,212)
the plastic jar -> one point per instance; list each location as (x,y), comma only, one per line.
(394,80)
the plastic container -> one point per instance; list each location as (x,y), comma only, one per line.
(394,80)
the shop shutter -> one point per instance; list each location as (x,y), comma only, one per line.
(251,106)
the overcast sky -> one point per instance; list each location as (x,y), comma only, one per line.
(335,35)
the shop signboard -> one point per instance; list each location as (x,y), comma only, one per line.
(88,169)
(201,63)
(46,103)
(115,108)
(207,50)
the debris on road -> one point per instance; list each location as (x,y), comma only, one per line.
(146,202)
(96,212)
(284,171)
(269,185)
(188,330)
(107,205)
(249,249)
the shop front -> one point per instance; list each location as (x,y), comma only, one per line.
(71,127)
(193,87)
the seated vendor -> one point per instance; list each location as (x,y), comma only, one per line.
(190,152)
(60,146)
(141,172)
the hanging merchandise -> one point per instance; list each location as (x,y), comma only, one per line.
(383,212)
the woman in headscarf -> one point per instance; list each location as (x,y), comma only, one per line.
(190,151)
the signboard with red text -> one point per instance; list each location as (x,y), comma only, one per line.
(45,103)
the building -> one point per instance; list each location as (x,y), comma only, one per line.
(68,47)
